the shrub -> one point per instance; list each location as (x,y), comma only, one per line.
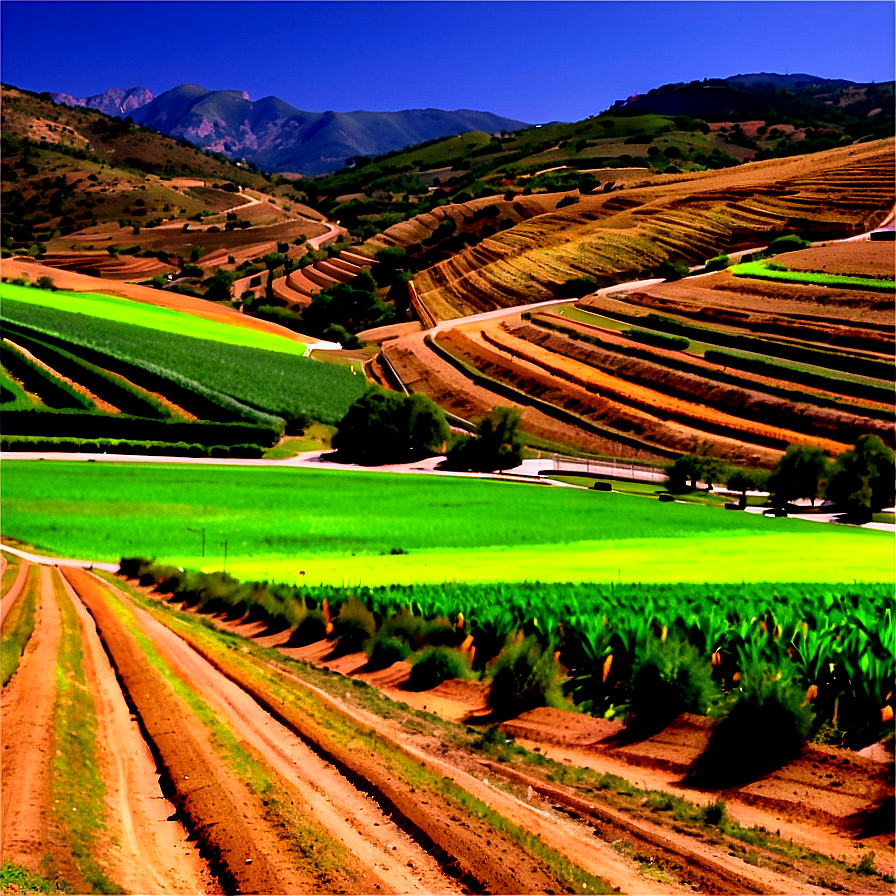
(576,288)
(312,627)
(670,270)
(719,263)
(353,627)
(437,664)
(668,678)
(789,243)
(762,726)
(384,650)
(524,675)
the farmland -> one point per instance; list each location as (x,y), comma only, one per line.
(112,308)
(280,522)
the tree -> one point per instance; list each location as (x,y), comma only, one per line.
(744,479)
(387,427)
(799,474)
(861,479)
(497,444)
(686,470)
(219,286)
(272,261)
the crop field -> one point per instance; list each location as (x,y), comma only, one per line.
(291,524)
(260,375)
(611,238)
(761,270)
(114,308)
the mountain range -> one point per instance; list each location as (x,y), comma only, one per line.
(277,137)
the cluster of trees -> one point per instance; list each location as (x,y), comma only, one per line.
(859,481)
(388,427)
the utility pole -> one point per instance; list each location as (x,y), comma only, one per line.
(202,530)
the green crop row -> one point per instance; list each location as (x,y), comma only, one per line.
(760,270)
(195,398)
(661,340)
(797,374)
(110,387)
(283,385)
(52,391)
(12,395)
(722,376)
(122,446)
(836,644)
(855,366)
(52,423)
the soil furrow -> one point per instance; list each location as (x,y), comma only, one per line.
(227,819)
(26,833)
(151,854)
(482,858)
(14,591)
(395,862)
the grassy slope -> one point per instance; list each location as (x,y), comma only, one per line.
(152,317)
(279,522)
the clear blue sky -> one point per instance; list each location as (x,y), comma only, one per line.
(533,61)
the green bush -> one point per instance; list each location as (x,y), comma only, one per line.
(311,628)
(437,664)
(525,675)
(789,243)
(576,288)
(762,725)
(668,678)
(353,627)
(384,650)
(719,263)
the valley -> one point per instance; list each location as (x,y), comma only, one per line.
(557,636)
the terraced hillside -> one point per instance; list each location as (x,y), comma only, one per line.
(616,236)
(743,366)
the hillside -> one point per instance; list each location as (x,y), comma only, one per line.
(276,136)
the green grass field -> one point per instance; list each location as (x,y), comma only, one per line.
(335,527)
(761,271)
(152,317)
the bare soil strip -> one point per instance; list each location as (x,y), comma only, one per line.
(395,861)
(26,709)
(14,591)
(148,852)
(226,818)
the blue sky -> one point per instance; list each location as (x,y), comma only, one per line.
(532,61)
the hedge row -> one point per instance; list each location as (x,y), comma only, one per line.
(661,340)
(120,446)
(52,391)
(868,391)
(110,387)
(685,366)
(55,424)
(193,397)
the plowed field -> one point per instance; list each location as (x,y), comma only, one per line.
(276,777)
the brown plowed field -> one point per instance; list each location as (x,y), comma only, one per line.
(422,370)
(141,849)
(352,790)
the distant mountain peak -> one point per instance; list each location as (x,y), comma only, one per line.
(115,101)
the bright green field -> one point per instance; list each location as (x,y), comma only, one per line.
(153,317)
(341,527)
(759,270)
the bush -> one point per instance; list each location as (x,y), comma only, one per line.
(670,270)
(762,726)
(668,678)
(575,288)
(719,263)
(524,676)
(438,664)
(353,627)
(384,650)
(789,243)
(310,629)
